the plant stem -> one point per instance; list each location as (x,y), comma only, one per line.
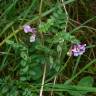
(66,14)
(53,84)
(43,79)
(40,15)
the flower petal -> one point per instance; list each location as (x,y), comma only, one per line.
(78,49)
(32,38)
(27,28)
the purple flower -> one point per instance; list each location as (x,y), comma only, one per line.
(77,49)
(27,29)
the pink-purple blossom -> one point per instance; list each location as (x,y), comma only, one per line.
(28,28)
(77,49)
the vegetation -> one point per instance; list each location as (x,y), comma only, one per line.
(47,48)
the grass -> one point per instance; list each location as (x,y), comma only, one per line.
(43,68)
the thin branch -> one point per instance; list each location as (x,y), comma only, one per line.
(54,84)
(43,79)
(63,3)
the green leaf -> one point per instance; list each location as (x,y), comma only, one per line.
(25,69)
(44,27)
(74,93)
(24,56)
(86,81)
(36,72)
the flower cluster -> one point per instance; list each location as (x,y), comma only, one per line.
(28,29)
(77,49)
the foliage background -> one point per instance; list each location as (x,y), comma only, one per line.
(59,24)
